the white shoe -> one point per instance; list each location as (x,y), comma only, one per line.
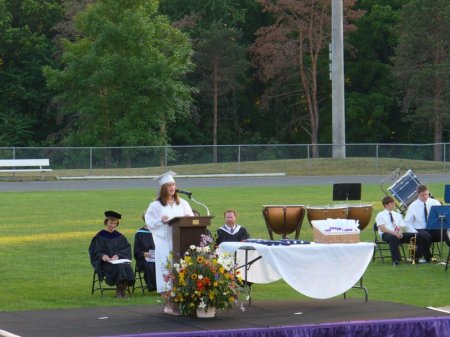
(422,260)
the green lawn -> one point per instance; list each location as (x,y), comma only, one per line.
(45,236)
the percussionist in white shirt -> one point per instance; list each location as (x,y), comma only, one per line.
(393,230)
(417,216)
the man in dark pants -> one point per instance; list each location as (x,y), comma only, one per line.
(417,216)
(391,229)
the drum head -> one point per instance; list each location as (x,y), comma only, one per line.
(405,189)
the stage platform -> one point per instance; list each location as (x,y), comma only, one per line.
(334,317)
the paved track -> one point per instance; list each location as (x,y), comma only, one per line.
(186,183)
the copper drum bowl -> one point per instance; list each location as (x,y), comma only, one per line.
(284,219)
(362,213)
(326,212)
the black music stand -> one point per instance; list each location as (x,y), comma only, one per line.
(447,194)
(347,192)
(439,218)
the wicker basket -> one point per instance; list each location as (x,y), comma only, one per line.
(321,237)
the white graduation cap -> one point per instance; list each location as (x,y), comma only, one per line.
(165,178)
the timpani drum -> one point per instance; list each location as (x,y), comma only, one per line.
(326,212)
(362,213)
(284,219)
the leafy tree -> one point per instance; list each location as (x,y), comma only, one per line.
(372,111)
(288,54)
(222,68)
(220,58)
(422,64)
(15,129)
(25,46)
(122,81)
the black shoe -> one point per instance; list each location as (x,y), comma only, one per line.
(395,263)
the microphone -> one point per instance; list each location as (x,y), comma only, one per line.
(184,192)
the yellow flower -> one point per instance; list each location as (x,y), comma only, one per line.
(201,279)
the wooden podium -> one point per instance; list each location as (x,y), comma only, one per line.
(187,231)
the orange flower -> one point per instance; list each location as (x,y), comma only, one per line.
(200,285)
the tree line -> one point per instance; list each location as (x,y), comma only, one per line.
(148,72)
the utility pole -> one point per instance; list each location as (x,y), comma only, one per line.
(337,79)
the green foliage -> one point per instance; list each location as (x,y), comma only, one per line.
(45,236)
(15,129)
(26,46)
(221,64)
(422,64)
(123,79)
(371,103)
(126,77)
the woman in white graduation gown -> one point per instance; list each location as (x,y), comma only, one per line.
(157,216)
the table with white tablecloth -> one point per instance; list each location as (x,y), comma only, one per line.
(316,270)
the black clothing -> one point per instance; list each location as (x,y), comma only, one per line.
(430,236)
(143,242)
(106,243)
(394,244)
(224,234)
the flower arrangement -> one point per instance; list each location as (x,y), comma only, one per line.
(202,279)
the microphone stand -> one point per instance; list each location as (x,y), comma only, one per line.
(199,203)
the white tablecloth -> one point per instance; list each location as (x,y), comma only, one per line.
(315,270)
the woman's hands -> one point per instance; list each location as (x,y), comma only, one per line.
(106,258)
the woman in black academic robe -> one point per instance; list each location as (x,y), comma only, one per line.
(143,243)
(108,246)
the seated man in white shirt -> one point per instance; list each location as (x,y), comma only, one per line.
(392,229)
(417,216)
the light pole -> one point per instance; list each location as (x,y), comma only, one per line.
(337,79)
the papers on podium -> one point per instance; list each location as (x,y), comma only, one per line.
(119,261)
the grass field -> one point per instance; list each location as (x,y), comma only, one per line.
(291,167)
(44,237)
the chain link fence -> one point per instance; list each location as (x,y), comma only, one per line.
(292,159)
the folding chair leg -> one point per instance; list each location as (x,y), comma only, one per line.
(448,258)
(138,277)
(97,285)
(93,284)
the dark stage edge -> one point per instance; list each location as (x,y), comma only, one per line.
(335,317)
